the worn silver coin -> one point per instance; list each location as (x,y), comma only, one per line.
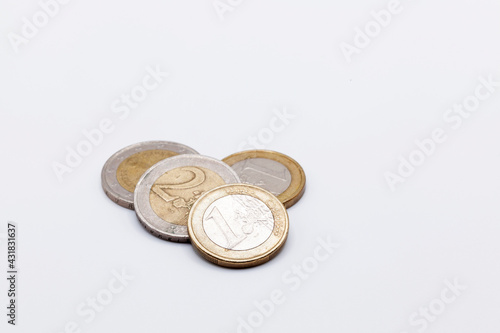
(122,170)
(165,194)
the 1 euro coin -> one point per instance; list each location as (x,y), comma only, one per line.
(238,226)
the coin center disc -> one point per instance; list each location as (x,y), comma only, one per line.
(174,193)
(132,168)
(268,174)
(238,222)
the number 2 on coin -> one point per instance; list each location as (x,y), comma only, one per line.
(198,177)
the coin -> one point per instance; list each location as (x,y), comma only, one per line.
(238,226)
(166,192)
(122,171)
(278,173)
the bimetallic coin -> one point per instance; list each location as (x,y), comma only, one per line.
(166,192)
(123,170)
(275,172)
(238,226)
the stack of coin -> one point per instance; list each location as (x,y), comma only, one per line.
(231,210)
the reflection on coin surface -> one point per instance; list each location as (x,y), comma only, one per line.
(123,170)
(238,226)
(166,192)
(275,172)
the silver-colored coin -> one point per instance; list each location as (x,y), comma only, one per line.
(266,173)
(121,171)
(165,194)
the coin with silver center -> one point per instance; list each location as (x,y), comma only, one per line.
(166,192)
(238,226)
(123,170)
(275,172)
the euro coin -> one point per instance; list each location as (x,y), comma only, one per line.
(167,191)
(275,172)
(238,226)
(123,170)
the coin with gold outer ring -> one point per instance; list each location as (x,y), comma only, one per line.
(238,226)
(275,172)
(122,171)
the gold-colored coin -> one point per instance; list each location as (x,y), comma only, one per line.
(131,169)
(275,172)
(174,193)
(238,226)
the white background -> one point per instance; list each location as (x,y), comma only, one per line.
(352,122)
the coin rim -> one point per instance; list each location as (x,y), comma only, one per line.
(145,213)
(218,255)
(109,181)
(297,187)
